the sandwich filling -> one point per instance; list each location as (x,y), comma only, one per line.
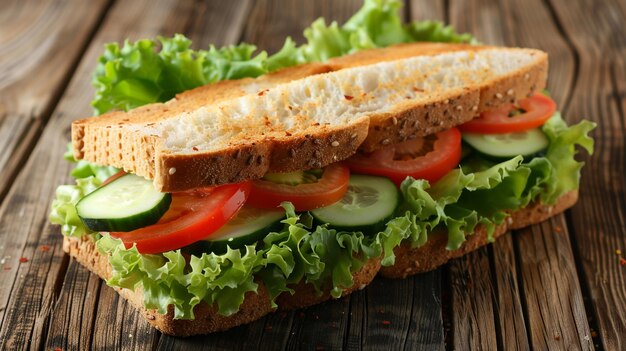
(316,226)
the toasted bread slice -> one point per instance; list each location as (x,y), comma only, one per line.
(308,116)
(409,261)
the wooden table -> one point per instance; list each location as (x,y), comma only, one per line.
(558,285)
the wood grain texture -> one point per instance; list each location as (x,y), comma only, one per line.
(72,322)
(40,43)
(508,303)
(118,326)
(554,305)
(271,21)
(474,325)
(406,313)
(596,31)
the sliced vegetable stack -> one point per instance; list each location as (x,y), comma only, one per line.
(212,220)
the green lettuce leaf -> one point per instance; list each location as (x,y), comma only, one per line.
(561,152)
(136,74)
(167,279)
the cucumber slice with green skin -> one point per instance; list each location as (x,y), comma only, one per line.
(367,206)
(130,202)
(504,146)
(249,226)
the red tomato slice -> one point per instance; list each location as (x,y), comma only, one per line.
(112,178)
(397,162)
(193,215)
(329,189)
(537,110)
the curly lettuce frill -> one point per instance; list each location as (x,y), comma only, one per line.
(168,279)
(136,74)
(322,257)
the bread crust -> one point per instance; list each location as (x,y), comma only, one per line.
(414,260)
(305,295)
(112,139)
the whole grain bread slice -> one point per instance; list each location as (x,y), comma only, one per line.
(409,261)
(308,116)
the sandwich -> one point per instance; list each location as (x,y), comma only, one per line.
(298,177)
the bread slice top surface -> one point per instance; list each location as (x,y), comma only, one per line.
(263,117)
(332,99)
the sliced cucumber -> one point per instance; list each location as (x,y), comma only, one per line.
(247,227)
(526,143)
(127,203)
(367,206)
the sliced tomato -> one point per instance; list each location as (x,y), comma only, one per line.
(112,178)
(193,215)
(328,189)
(535,111)
(399,161)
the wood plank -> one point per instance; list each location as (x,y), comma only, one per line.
(25,313)
(40,43)
(473,318)
(508,305)
(72,322)
(555,309)
(245,337)
(427,326)
(408,316)
(596,31)
(34,289)
(35,42)
(427,10)
(118,325)
(271,21)
(389,310)
(320,327)
(277,327)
